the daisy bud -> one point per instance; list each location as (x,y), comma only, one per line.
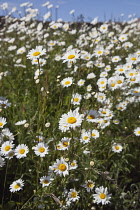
(26,125)
(37,81)
(92,163)
(47,125)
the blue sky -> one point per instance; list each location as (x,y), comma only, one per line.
(104,9)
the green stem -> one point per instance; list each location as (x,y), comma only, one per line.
(5,182)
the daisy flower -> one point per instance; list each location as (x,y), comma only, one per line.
(21,50)
(36,53)
(81,82)
(65,142)
(67,82)
(60,167)
(2,122)
(76,99)
(2,161)
(92,115)
(89,185)
(71,56)
(116,59)
(73,195)
(21,122)
(117,148)
(95,134)
(103,28)
(6,147)
(73,165)
(101,195)
(17,185)
(71,120)
(21,151)
(6,134)
(137,131)
(45,181)
(41,149)
(85,137)
(10,154)
(91,76)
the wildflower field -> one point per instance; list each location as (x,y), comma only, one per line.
(69,115)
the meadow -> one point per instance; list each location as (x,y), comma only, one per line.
(69,115)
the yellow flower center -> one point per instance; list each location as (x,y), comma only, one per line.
(113,84)
(102,196)
(133,59)
(41,149)
(36,53)
(121,69)
(102,82)
(76,99)
(119,81)
(1,124)
(99,52)
(104,112)
(85,137)
(90,117)
(117,147)
(67,82)
(62,167)
(73,194)
(17,186)
(71,120)
(73,164)
(93,134)
(7,148)
(87,57)
(131,74)
(71,56)
(45,181)
(22,151)
(90,184)
(138,132)
(65,143)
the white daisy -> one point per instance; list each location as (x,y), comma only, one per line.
(36,53)
(60,167)
(117,148)
(21,122)
(73,195)
(73,165)
(67,82)
(21,151)
(71,56)
(71,120)
(95,134)
(101,195)
(137,131)
(6,147)
(76,99)
(2,122)
(92,115)
(85,137)
(41,149)
(17,185)
(89,185)
(81,82)
(46,181)
(2,161)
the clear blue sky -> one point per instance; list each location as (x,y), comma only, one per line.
(104,9)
